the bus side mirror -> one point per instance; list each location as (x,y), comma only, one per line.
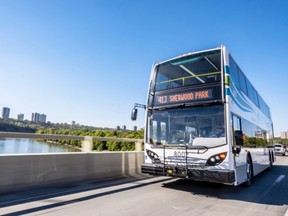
(236,150)
(239,137)
(135,111)
(134,114)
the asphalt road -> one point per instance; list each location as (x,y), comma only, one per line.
(267,196)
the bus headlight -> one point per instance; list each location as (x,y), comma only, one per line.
(153,156)
(216,159)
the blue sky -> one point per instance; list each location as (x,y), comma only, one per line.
(90,61)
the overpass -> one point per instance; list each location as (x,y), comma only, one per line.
(28,171)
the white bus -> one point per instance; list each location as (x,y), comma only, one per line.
(205,121)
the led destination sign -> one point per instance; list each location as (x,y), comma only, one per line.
(188,96)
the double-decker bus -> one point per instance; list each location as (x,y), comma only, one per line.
(205,120)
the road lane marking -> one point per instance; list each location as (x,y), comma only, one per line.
(280,178)
(267,191)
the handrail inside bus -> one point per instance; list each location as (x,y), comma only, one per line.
(188,77)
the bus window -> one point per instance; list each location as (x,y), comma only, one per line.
(236,123)
(233,71)
(163,132)
(182,126)
(186,71)
(242,81)
(157,132)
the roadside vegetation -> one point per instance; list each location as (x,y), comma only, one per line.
(97,145)
(16,126)
(13,125)
(281,141)
(254,142)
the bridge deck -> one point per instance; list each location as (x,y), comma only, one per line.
(142,195)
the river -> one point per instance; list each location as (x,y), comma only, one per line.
(24,146)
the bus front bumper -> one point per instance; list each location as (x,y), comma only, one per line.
(197,174)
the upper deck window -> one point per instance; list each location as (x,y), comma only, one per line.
(195,69)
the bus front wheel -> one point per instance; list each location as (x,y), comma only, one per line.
(249,171)
(270,160)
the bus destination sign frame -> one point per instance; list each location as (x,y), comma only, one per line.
(183,97)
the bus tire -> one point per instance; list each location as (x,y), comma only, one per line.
(273,156)
(270,160)
(249,171)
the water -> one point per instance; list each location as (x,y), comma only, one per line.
(23,146)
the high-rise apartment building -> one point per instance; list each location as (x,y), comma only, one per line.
(20,117)
(38,118)
(284,135)
(5,112)
(42,118)
(34,117)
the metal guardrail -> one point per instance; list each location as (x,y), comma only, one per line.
(87,141)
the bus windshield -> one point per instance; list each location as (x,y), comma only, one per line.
(192,126)
(190,70)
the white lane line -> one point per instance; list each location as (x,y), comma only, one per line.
(267,191)
(280,178)
(286,214)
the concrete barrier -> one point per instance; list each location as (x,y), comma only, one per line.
(23,172)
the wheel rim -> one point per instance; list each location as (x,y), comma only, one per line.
(249,172)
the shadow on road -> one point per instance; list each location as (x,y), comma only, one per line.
(265,188)
(268,188)
(24,197)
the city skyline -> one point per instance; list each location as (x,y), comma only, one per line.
(91,61)
(41,118)
(36,117)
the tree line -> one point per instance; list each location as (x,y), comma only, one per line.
(254,142)
(260,142)
(281,141)
(97,145)
(10,126)
(13,125)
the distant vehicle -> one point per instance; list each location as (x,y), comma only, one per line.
(279,149)
(203,115)
(286,148)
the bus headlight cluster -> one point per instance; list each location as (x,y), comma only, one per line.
(153,156)
(216,159)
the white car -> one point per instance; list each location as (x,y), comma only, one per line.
(279,149)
